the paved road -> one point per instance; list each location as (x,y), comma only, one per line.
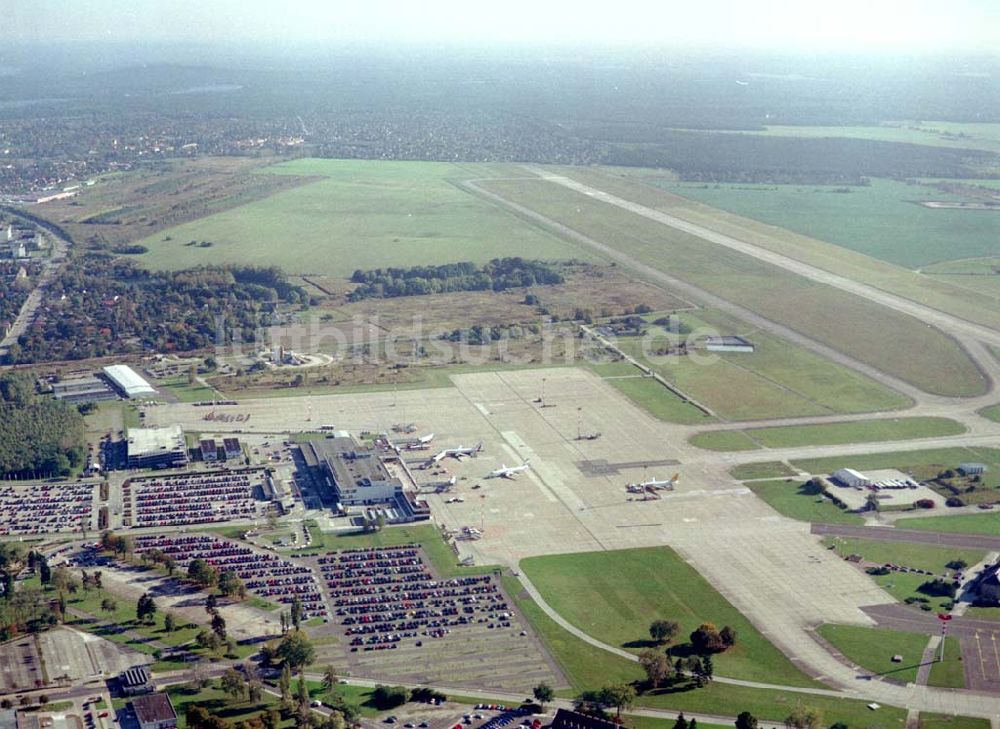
(24,317)
(915,536)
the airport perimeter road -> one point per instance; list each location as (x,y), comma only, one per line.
(946,322)
(914,536)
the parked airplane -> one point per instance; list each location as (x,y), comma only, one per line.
(653,483)
(419,444)
(457,453)
(505,472)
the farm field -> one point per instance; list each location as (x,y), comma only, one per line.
(777,380)
(933,133)
(894,343)
(614,596)
(646,186)
(832,433)
(881,220)
(873,649)
(798,500)
(903,585)
(360,214)
(988,524)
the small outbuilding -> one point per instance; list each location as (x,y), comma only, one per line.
(972,469)
(154,711)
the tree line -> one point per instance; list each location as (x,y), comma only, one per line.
(500,274)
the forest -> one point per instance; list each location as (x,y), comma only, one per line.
(500,274)
(37,437)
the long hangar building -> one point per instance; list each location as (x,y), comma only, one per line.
(361,479)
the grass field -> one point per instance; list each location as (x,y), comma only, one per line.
(363,214)
(992,412)
(765,469)
(902,585)
(219,703)
(724,440)
(869,431)
(948,721)
(887,340)
(614,596)
(426,535)
(881,220)
(588,667)
(658,401)
(988,524)
(797,500)
(778,379)
(873,649)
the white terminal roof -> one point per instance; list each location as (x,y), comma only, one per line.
(130,381)
(142,441)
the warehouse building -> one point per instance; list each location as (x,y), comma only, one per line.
(156,447)
(83,389)
(129,382)
(728,344)
(851,478)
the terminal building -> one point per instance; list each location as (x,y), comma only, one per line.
(129,382)
(360,478)
(156,447)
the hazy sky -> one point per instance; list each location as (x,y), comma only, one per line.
(818,25)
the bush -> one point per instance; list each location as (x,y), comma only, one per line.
(389,697)
(938,588)
(954,501)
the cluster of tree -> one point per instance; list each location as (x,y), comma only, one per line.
(26,608)
(939,587)
(100,306)
(707,639)
(500,274)
(619,696)
(389,697)
(118,545)
(480,335)
(37,437)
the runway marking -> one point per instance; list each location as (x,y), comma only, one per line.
(482,408)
